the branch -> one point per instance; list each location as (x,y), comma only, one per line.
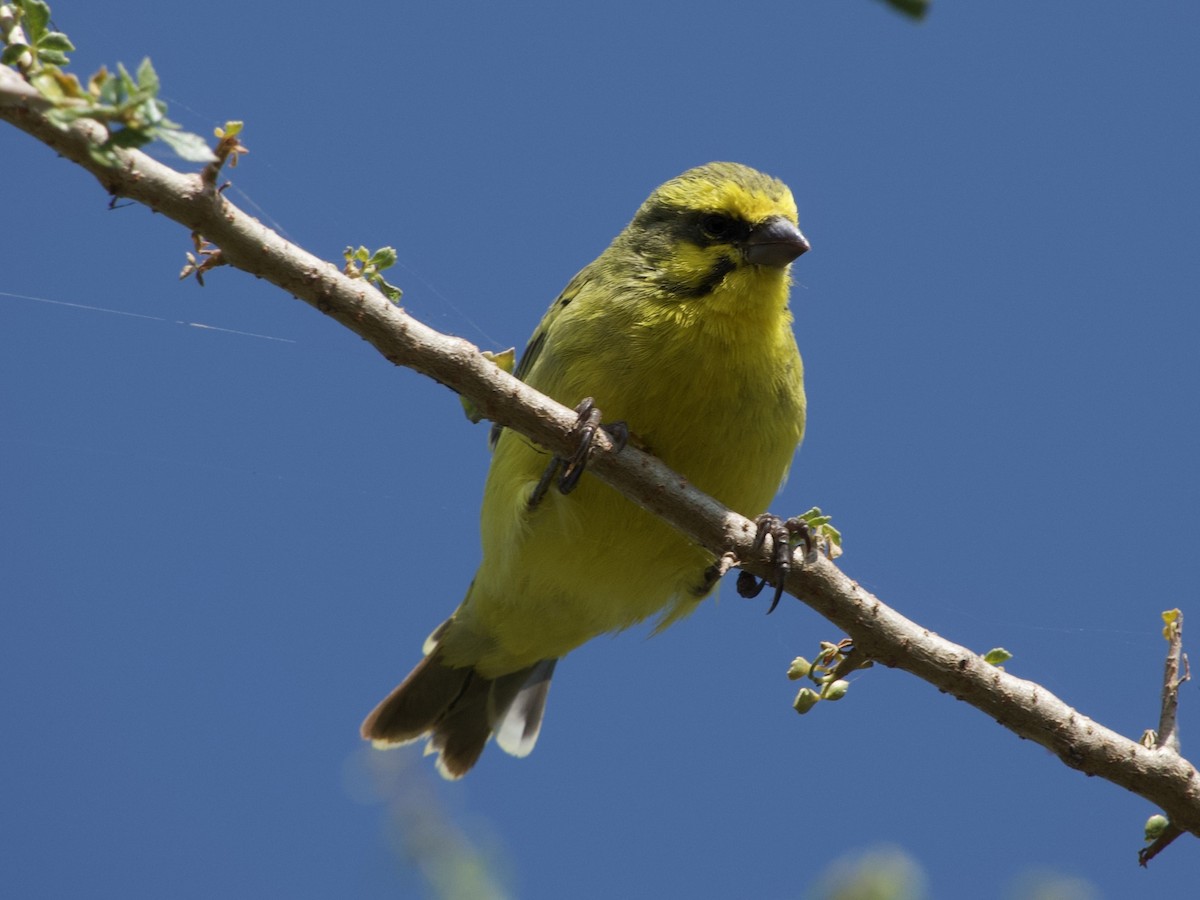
(1158,774)
(1167,738)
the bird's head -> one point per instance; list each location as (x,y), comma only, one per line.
(718,228)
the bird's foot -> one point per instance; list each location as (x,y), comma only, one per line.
(786,535)
(565,472)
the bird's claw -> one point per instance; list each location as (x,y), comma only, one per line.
(570,469)
(586,426)
(785,534)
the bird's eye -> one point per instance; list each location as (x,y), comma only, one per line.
(717,226)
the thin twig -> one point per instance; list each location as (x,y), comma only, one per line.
(1167,739)
(1168,731)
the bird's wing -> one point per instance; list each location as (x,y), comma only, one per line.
(533,349)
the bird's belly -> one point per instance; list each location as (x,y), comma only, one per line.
(577,566)
(591,561)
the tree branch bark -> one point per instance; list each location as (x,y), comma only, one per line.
(1158,774)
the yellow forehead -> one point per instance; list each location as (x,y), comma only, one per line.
(733,189)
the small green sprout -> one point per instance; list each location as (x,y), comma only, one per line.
(362,263)
(997,656)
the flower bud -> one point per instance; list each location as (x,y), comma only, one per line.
(1155,826)
(805,700)
(835,690)
(799,668)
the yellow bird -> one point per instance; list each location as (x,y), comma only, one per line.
(681,330)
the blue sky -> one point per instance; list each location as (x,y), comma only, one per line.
(221,545)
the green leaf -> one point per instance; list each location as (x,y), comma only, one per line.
(52,57)
(505,359)
(152,112)
(823,534)
(390,291)
(187,146)
(1172,623)
(383,258)
(102,154)
(12,53)
(914,9)
(147,77)
(106,92)
(56,40)
(124,80)
(997,656)
(129,138)
(473,413)
(36,15)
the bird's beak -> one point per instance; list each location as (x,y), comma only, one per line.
(774,242)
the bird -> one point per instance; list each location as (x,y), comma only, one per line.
(680,331)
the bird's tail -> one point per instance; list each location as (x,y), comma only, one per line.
(459,709)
